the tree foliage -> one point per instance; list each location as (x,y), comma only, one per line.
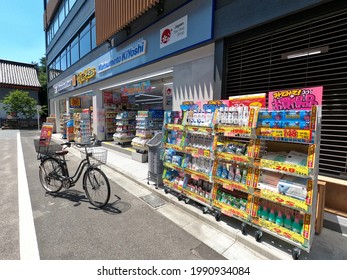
(19,104)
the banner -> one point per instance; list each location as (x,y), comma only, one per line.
(295,99)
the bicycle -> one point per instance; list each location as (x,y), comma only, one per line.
(54,172)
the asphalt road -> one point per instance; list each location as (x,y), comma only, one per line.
(68,227)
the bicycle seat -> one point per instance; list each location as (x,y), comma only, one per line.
(61,153)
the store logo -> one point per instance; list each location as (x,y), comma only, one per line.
(86,75)
(165,36)
(123,56)
(62,86)
(174,32)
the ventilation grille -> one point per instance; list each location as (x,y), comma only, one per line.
(256,65)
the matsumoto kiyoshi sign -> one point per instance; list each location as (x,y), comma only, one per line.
(123,56)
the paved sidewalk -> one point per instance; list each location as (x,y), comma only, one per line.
(224,236)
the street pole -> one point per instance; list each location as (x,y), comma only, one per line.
(38,109)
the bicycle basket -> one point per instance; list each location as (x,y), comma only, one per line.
(46,150)
(97,156)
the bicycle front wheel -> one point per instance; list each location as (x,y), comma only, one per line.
(96,187)
(50,173)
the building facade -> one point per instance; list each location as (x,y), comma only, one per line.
(18,76)
(201,50)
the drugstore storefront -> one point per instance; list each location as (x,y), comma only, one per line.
(153,69)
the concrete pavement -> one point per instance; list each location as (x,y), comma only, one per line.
(225,236)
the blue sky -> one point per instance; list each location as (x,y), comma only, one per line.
(22,37)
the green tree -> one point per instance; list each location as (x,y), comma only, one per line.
(20,104)
(42,75)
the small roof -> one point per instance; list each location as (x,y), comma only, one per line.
(18,74)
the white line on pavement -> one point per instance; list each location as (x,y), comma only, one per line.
(27,235)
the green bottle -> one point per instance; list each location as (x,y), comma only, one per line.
(288,222)
(260,209)
(272,216)
(296,227)
(279,219)
(265,213)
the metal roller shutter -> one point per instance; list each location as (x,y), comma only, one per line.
(260,65)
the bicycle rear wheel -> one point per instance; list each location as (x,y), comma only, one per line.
(50,171)
(96,187)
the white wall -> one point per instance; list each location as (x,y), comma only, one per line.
(193,81)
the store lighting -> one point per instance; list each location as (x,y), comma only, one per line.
(139,79)
(168,84)
(306,52)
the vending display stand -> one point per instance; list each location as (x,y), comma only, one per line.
(261,173)
(285,181)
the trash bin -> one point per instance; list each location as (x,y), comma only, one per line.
(155,164)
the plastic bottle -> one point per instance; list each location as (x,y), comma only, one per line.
(219,170)
(231,174)
(237,174)
(209,117)
(288,222)
(272,216)
(260,209)
(244,175)
(245,116)
(265,213)
(279,219)
(230,116)
(296,227)
(220,115)
(225,171)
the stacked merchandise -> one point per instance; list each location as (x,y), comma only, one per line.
(147,124)
(244,162)
(125,127)
(83,134)
(64,118)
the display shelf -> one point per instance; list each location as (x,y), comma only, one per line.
(290,160)
(125,127)
(288,154)
(110,122)
(147,124)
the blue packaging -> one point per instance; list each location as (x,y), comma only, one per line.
(292,115)
(270,115)
(296,124)
(270,124)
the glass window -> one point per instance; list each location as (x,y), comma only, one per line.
(67,9)
(85,44)
(55,26)
(93,33)
(57,63)
(72,2)
(68,57)
(61,15)
(63,61)
(74,51)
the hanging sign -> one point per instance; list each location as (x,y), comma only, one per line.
(137,89)
(75,102)
(295,99)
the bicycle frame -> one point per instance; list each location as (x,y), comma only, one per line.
(73,179)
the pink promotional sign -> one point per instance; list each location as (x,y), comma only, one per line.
(295,99)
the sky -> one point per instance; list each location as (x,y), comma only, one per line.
(22,38)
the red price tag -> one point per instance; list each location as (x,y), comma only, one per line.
(290,133)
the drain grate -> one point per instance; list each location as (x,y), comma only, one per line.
(153,200)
